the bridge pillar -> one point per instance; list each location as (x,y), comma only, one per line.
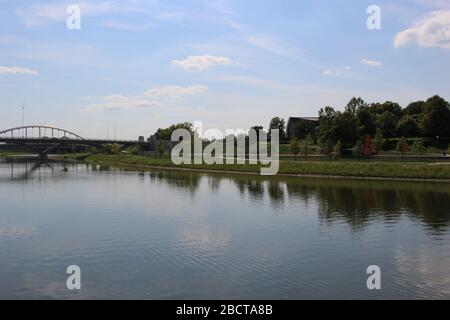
(43,156)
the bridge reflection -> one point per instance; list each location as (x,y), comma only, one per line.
(28,168)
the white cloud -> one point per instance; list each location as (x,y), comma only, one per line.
(125,26)
(38,14)
(431,31)
(338,72)
(150,98)
(214,12)
(17,70)
(41,14)
(371,63)
(120,102)
(201,63)
(175,91)
(274,45)
(257,82)
(14,48)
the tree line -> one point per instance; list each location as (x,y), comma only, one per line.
(360,120)
(365,127)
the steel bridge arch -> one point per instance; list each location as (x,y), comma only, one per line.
(18,129)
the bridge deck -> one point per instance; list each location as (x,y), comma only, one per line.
(18,140)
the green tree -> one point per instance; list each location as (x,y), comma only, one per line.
(418,146)
(295,147)
(379,141)
(92,149)
(278,123)
(111,148)
(337,150)
(303,127)
(346,129)
(415,108)
(387,123)
(388,106)
(137,150)
(408,127)
(366,121)
(436,118)
(325,146)
(402,146)
(310,139)
(106,148)
(357,150)
(307,145)
(166,134)
(335,126)
(134,150)
(327,125)
(160,148)
(354,105)
(115,148)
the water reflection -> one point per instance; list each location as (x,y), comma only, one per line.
(178,234)
(254,187)
(357,202)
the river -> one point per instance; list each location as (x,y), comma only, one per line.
(181,235)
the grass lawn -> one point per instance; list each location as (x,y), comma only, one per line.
(381,169)
(4,153)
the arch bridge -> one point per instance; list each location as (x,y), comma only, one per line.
(23,132)
(45,139)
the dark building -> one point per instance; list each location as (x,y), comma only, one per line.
(300,127)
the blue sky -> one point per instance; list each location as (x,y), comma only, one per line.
(138,65)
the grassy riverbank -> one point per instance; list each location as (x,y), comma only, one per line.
(4,153)
(326,168)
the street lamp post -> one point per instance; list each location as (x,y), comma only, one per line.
(23,119)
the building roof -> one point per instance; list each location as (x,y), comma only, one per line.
(305,118)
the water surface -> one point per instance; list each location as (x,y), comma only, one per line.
(181,235)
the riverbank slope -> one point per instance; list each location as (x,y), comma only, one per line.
(341,168)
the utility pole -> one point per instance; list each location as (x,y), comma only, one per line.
(115,136)
(23,118)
